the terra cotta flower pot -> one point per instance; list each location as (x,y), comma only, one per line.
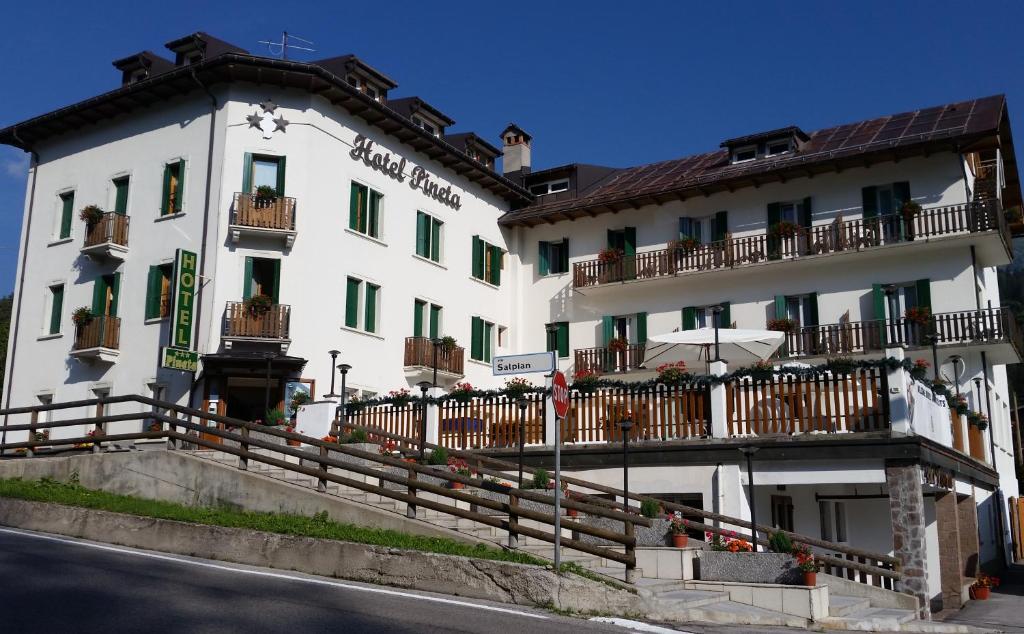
(680,541)
(982,594)
(810,578)
(456,485)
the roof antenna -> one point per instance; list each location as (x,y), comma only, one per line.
(283,46)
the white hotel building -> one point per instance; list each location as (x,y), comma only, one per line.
(389,229)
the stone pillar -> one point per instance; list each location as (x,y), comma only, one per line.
(719,423)
(951,569)
(967,520)
(906,508)
(899,411)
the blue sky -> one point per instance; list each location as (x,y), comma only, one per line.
(612,83)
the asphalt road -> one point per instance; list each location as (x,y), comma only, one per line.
(56,584)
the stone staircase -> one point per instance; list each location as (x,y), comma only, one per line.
(672,599)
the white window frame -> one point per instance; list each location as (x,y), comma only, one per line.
(44,331)
(802,305)
(767,147)
(554,262)
(549,187)
(896,305)
(741,150)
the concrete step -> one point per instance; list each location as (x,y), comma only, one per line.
(731,613)
(872,620)
(839,605)
(693,598)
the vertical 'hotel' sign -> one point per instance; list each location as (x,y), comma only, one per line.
(184,299)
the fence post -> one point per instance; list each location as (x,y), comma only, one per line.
(719,409)
(513,519)
(410,509)
(243,461)
(172,442)
(321,484)
(899,412)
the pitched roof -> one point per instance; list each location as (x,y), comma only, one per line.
(407,106)
(462,139)
(952,126)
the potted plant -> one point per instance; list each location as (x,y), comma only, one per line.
(617,344)
(275,418)
(919,370)
(258,305)
(265,195)
(727,542)
(918,315)
(458,466)
(448,343)
(516,387)
(82,316)
(806,563)
(291,441)
(400,397)
(90,215)
(982,586)
(784,229)
(783,324)
(461,392)
(684,243)
(608,256)
(910,209)
(541,480)
(585,380)
(673,373)
(978,419)
(677,528)
(299,399)
(960,405)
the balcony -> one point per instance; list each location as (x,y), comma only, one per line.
(98,340)
(994,329)
(607,360)
(256,217)
(265,326)
(797,243)
(107,238)
(419,361)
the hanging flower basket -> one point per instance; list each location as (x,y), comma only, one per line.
(618,344)
(585,381)
(978,419)
(400,397)
(673,373)
(82,316)
(91,214)
(259,305)
(516,387)
(920,369)
(462,392)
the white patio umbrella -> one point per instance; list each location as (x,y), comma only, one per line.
(736,346)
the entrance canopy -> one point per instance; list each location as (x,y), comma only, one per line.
(735,346)
(251,363)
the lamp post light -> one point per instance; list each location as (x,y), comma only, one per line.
(977,393)
(749,452)
(626,424)
(334,359)
(956,360)
(933,341)
(424,386)
(715,312)
(343,368)
(523,404)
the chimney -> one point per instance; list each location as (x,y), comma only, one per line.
(516,146)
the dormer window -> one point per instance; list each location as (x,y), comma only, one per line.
(550,187)
(364,87)
(772,143)
(742,154)
(138,75)
(777,147)
(193,58)
(420,123)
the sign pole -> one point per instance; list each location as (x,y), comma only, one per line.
(560,405)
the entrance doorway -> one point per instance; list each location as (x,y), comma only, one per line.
(246,397)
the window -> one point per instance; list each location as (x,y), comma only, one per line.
(882,200)
(158,291)
(55,300)
(777,147)
(105,293)
(67,211)
(801,310)
(695,317)
(789,212)
(428,236)
(426,320)
(121,195)
(554,257)
(423,124)
(364,210)
(550,187)
(365,295)
(488,260)
(706,229)
(782,512)
(631,328)
(260,170)
(481,340)
(832,518)
(262,277)
(174,188)
(558,341)
(746,153)
(363,86)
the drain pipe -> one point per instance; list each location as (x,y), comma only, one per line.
(214,105)
(33,169)
(998,493)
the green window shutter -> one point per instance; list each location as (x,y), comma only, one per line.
(476,346)
(435,321)
(563,339)
(115,292)
(353,207)
(607,329)
(247,173)
(900,194)
(496,254)
(725,317)
(542,258)
(417,317)
(164,208)
(805,213)
(812,318)
(435,239)
(690,318)
(641,328)
(565,255)
(774,214)
(276,294)
(373,217)
(99,295)
(66,213)
(280,175)
(153,292)
(721,226)
(488,335)
(352,302)
(247,279)
(869,201)
(56,307)
(773,242)
(422,231)
(878,301)
(780,306)
(478,258)
(924,294)
(630,240)
(121,196)
(370,320)
(179,200)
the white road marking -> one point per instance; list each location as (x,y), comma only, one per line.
(637,626)
(273,575)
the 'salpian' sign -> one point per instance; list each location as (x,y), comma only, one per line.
(419,178)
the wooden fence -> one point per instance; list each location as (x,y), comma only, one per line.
(659,413)
(490,422)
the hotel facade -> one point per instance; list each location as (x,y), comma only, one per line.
(324,213)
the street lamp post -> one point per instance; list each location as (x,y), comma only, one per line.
(523,404)
(424,386)
(749,452)
(334,359)
(956,360)
(343,368)
(626,424)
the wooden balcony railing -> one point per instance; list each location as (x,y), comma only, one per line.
(241,322)
(103,331)
(605,360)
(991,325)
(111,228)
(275,214)
(419,351)
(835,237)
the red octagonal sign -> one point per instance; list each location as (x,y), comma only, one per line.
(560,395)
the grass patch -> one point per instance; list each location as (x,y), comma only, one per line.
(319,526)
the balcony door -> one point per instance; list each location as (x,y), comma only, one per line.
(105,292)
(892,307)
(632,329)
(263,170)
(262,277)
